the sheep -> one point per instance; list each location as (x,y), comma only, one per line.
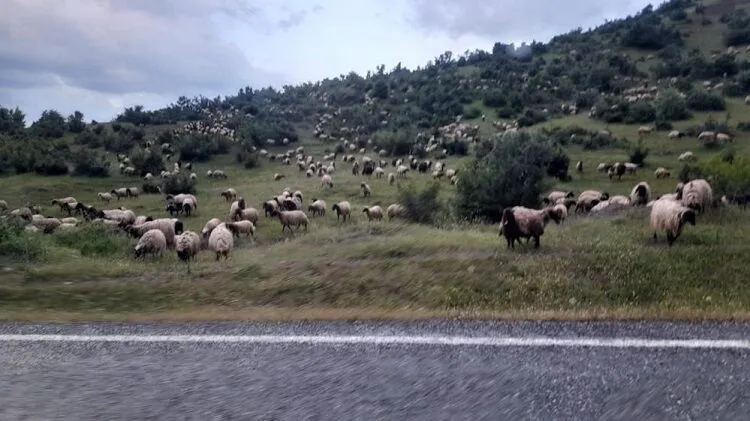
(395,211)
(188,245)
(561,210)
(291,203)
(630,167)
(366,189)
(374,212)
(69,220)
(193,176)
(317,207)
(326,181)
(298,193)
(148,177)
(153,242)
(603,167)
(3,206)
(662,172)
(119,193)
(588,199)
(210,225)
(696,194)
(46,225)
(519,222)
(247,214)
(128,171)
(188,206)
(293,217)
(641,194)
(277,176)
(63,201)
(104,196)
(236,206)
(645,130)
(686,156)
(242,227)
(229,194)
(132,192)
(221,240)
(343,208)
(168,226)
(121,216)
(66,227)
(620,200)
(723,137)
(270,206)
(555,196)
(180,198)
(391,178)
(706,135)
(579,166)
(218,174)
(670,216)
(141,219)
(674,134)
(379,172)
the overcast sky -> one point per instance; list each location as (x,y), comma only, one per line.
(98,56)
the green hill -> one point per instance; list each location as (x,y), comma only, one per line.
(513,121)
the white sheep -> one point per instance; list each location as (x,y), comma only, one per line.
(247,214)
(119,193)
(151,242)
(395,210)
(104,196)
(641,194)
(391,178)
(168,226)
(561,210)
(326,181)
(662,172)
(122,216)
(221,241)
(686,156)
(292,217)
(210,225)
(242,227)
(278,176)
(670,216)
(696,194)
(520,222)
(373,212)
(188,245)
(219,174)
(46,225)
(317,207)
(229,194)
(366,189)
(342,209)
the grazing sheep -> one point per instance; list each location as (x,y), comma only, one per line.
(132,192)
(317,207)
(46,225)
(210,225)
(242,227)
(148,177)
(374,212)
(366,189)
(343,208)
(588,199)
(63,201)
(119,193)
(696,194)
(168,226)
(69,220)
(662,172)
(379,172)
(645,130)
(218,174)
(707,135)
(674,134)
(579,166)
(229,194)
(291,203)
(391,178)
(124,217)
(395,211)
(723,137)
(293,217)
(237,205)
(519,222)
(687,157)
(556,196)
(270,206)
(277,176)
(188,245)
(247,214)
(641,194)
(104,196)
(153,242)
(326,181)
(670,216)
(221,240)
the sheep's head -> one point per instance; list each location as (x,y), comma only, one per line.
(687,216)
(605,196)
(366,210)
(678,190)
(570,194)
(554,215)
(241,203)
(335,207)
(138,252)
(179,227)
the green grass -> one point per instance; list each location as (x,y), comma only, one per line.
(588,267)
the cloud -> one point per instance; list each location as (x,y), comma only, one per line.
(122,48)
(507,20)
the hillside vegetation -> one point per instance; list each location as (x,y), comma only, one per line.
(476,133)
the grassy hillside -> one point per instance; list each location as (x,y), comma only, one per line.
(669,68)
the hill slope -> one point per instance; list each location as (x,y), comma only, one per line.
(584,94)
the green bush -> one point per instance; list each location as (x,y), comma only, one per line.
(92,241)
(180,183)
(19,245)
(511,173)
(422,206)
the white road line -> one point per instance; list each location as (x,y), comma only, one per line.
(499,341)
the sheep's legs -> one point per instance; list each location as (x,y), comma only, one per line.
(536,241)
(655,239)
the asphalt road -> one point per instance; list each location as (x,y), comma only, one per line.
(82,379)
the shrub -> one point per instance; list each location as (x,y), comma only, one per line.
(92,240)
(180,183)
(88,164)
(705,101)
(638,153)
(422,206)
(17,244)
(511,173)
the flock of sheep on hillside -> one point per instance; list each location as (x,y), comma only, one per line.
(669,213)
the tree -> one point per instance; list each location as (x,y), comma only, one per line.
(511,173)
(76,123)
(50,125)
